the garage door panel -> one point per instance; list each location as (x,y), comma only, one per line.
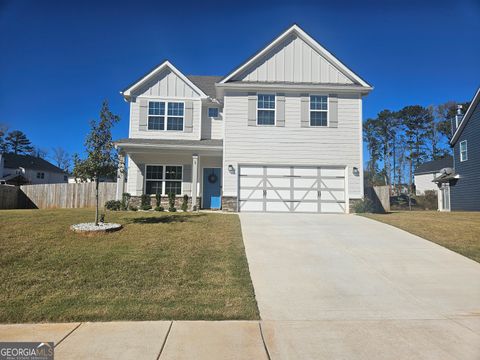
(277,182)
(304,183)
(305,171)
(333,195)
(332,172)
(251,170)
(251,194)
(250,182)
(278,171)
(305,194)
(251,205)
(332,183)
(277,194)
(277,206)
(305,207)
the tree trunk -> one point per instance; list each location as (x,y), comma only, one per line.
(96,201)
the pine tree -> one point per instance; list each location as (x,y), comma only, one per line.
(18,143)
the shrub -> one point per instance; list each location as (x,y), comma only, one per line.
(159,208)
(158,199)
(125,200)
(145,200)
(363,206)
(185,202)
(428,201)
(114,205)
(133,208)
(145,207)
(171,202)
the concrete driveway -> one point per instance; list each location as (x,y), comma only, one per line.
(347,287)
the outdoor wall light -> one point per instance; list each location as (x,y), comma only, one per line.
(231,169)
(355,171)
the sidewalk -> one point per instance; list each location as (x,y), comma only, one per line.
(146,339)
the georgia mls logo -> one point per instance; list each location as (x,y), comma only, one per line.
(26,351)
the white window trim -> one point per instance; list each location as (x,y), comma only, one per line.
(165,116)
(466,151)
(310,112)
(163,180)
(274,109)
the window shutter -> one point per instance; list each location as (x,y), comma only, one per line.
(140,178)
(280,121)
(188,120)
(304,110)
(333,111)
(187,179)
(143,117)
(252,109)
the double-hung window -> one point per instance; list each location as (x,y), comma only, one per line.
(266,109)
(463,151)
(213,112)
(318,110)
(163,179)
(175,116)
(156,115)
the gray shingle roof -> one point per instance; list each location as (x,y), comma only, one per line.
(434,166)
(205,143)
(14,161)
(206,83)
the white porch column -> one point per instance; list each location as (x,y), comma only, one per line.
(120,177)
(194,179)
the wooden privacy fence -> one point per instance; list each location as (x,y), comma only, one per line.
(380,197)
(79,195)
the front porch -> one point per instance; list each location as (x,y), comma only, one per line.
(182,167)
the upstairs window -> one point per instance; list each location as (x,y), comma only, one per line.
(266,109)
(213,112)
(156,115)
(463,151)
(175,116)
(40,175)
(318,110)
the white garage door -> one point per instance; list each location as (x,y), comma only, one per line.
(292,189)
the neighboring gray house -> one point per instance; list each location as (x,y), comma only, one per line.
(281,133)
(459,188)
(427,172)
(16,169)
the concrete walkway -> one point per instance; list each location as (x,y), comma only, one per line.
(346,287)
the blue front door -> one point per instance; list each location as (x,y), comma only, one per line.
(211,188)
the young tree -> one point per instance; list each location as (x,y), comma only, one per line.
(102,159)
(18,143)
(415,120)
(61,158)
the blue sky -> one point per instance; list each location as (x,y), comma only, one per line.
(60,59)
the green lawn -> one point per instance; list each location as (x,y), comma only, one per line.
(457,231)
(160,266)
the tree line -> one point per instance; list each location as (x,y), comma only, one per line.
(399,141)
(17,142)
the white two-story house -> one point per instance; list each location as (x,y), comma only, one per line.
(281,133)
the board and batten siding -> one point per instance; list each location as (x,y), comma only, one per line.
(293,60)
(292,144)
(465,194)
(166,84)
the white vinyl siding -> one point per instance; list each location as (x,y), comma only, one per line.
(212,128)
(463,151)
(292,144)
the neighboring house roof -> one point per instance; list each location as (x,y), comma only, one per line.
(466,117)
(14,161)
(208,143)
(295,29)
(206,83)
(155,71)
(434,166)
